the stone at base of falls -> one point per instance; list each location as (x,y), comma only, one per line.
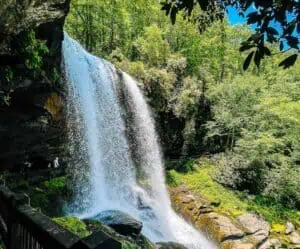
(120,222)
(140,241)
(169,245)
(295,239)
(271,243)
(289,228)
(255,227)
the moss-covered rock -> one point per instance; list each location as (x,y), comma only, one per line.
(128,245)
(74,225)
(121,222)
(49,196)
(139,242)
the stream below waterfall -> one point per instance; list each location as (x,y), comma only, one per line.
(116,162)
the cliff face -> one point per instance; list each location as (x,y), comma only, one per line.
(32,124)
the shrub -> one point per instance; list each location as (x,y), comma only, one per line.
(283,185)
(187,166)
(171,179)
(33,51)
(237,172)
(55,185)
(278,182)
(183,166)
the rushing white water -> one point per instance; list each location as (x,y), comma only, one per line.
(116,155)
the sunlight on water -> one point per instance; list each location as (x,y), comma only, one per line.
(117,162)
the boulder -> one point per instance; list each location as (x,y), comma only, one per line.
(255,226)
(188,199)
(221,227)
(143,242)
(289,228)
(237,244)
(294,238)
(169,245)
(271,243)
(254,223)
(120,222)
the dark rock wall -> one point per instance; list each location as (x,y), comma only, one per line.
(32,124)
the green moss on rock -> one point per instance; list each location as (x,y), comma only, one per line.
(128,245)
(48,196)
(74,225)
(141,242)
(56,185)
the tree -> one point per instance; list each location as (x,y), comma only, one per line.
(286,13)
(152,46)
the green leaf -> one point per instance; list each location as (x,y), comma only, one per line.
(281,46)
(272,31)
(173,15)
(167,8)
(257,58)
(253,17)
(203,4)
(293,42)
(246,47)
(289,61)
(266,51)
(248,60)
(290,28)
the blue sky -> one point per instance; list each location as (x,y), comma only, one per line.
(234,17)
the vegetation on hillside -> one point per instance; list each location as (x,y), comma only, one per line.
(232,203)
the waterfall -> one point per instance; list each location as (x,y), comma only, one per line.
(116,158)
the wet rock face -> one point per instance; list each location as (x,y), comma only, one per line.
(17,16)
(32,124)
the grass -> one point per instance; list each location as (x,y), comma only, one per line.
(232,203)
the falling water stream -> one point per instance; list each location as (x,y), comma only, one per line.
(116,158)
